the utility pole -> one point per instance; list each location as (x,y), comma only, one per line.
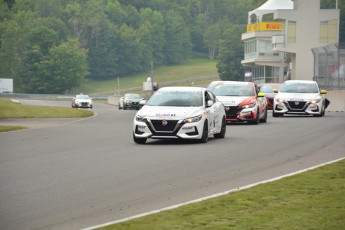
(152,78)
(118,85)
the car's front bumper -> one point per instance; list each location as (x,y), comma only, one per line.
(298,107)
(132,105)
(83,105)
(174,129)
(238,114)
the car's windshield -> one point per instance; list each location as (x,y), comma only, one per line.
(234,90)
(176,98)
(82,97)
(299,87)
(132,96)
(269,88)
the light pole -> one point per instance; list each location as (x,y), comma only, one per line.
(152,78)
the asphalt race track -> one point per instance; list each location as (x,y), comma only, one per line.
(73,174)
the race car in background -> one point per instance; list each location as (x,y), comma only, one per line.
(268,90)
(82,101)
(302,97)
(242,101)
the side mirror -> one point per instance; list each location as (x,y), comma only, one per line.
(121,98)
(209,103)
(261,95)
(275,91)
(323,91)
(142,102)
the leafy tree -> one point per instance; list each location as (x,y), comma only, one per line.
(231,53)
(130,51)
(152,36)
(14,40)
(122,37)
(178,39)
(64,68)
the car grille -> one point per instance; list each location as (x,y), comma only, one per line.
(232,112)
(84,104)
(296,105)
(159,127)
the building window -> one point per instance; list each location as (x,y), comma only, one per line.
(250,49)
(291,32)
(328,31)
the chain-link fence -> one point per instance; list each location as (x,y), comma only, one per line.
(329,66)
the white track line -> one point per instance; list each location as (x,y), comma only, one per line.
(209,197)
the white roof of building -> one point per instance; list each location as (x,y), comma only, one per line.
(270,6)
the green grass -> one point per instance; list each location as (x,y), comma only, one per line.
(194,68)
(11,128)
(10,109)
(311,200)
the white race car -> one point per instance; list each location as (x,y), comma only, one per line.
(300,97)
(82,101)
(180,112)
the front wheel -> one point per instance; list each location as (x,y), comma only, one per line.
(264,119)
(222,130)
(139,140)
(257,120)
(275,114)
(322,112)
(204,137)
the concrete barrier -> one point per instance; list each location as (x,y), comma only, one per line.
(337,99)
(114,100)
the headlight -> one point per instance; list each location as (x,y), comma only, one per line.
(315,101)
(140,118)
(279,100)
(248,106)
(193,119)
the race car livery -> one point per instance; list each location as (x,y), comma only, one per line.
(180,112)
(300,97)
(242,102)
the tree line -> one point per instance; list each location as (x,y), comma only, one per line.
(52,46)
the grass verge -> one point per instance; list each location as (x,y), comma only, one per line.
(10,109)
(193,68)
(311,200)
(11,128)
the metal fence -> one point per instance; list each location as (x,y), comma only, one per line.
(329,66)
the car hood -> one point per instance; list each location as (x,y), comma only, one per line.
(133,99)
(169,112)
(298,96)
(236,100)
(83,100)
(270,95)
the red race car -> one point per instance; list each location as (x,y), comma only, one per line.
(267,89)
(242,101)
